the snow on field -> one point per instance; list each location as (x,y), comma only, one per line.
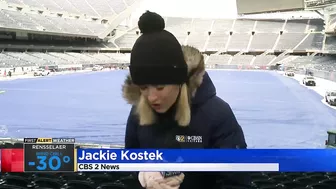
(274,111)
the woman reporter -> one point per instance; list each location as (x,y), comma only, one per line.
(174,105)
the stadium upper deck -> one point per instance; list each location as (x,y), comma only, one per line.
(95,9)
(71,17)
(68,59)
(242,35)
(247,42)
(236,35)
(242,38)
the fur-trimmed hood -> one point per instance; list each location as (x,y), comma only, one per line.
(196,69)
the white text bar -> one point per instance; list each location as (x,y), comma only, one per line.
(196,167)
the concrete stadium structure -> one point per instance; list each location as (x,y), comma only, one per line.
(72,34)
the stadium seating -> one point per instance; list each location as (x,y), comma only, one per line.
(83,57)
(195,32)
(179,27)
(19,59)
(126,41)
(244,35)
(296,26)
(109,58)
(100,8)
(314,41)
(279,59)
(49,58)
(217,41)
(330,43)
(42,15)
(205,34)
(299,61)
(289,41)
(269,26)
(47,23)
(263,60)
(241,60)
(239,42)
(316,25)
(243,26)
(6,21)
(325,63)
(28,58)
(9,61)
(316,63)
(199,33)
(218,59)
(222,25)
(201,25)
(263,41)
(65,56)
(197,40)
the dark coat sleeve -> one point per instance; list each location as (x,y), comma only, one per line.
(131,138)
(229,134)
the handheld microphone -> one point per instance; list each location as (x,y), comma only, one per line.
(170,173)
(172,143)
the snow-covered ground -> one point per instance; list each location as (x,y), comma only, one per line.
(274,111)
(322,86)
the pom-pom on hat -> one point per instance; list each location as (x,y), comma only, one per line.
(157,57)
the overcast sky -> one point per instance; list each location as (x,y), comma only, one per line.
(190,8)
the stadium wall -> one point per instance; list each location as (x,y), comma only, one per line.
(328,75)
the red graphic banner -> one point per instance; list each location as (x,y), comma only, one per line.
(12,160)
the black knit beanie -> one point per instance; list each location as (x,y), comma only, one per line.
(157,57)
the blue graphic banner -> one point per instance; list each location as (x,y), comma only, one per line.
(298,160)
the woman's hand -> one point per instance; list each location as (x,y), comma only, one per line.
(154,180)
